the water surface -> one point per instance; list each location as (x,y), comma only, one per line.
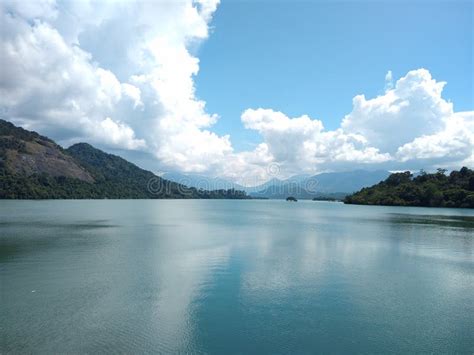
(217,276)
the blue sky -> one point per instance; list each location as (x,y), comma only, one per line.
(313,57)
(246,90)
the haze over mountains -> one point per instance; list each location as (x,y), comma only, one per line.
(300,186)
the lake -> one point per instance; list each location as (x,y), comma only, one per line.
(229,276)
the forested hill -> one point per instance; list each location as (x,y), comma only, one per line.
(429,190)
(35,167)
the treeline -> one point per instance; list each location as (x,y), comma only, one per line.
(42,186)
(112,176)
(429,190)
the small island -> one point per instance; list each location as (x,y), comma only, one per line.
(325,198)
(291,199)
(426,190)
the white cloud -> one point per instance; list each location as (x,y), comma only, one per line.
(455,143)
(414,107)
(249,168)
(301,144)
(411,124)
(116,134)
(52,85)
(133,93)
(60,82)
(414,123)
(292,146)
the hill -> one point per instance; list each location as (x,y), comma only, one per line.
(429,190)
(212,183)
(345,181)
(333,186)
(35,167)
(326,185)
(26,153)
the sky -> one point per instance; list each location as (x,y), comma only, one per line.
(246,90)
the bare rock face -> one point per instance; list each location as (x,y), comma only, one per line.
(44,157)
(27,153)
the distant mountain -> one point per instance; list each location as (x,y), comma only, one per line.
(211,183)
(271,184)
(298,178)
(325,185)
(293,189)
(202,182)
(34,167)
(430,190)
(349,181)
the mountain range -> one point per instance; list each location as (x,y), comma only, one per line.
(35,167)
(335,185)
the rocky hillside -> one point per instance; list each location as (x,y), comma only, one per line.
(35,167)
(27,153)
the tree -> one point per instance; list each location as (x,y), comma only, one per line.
(434,190)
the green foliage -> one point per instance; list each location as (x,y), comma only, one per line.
(118,178)
(41,186)
(8,129)
(430,190)
(114,177)
(11,143)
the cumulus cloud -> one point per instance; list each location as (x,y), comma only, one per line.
(132,89)
(409,126)
(133,93)
(121,75)
(51,84)
(454,143)
(301,144)
(414,107)
(414,123)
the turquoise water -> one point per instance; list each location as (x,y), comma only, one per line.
(217,276)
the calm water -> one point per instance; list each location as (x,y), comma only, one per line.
(234,276)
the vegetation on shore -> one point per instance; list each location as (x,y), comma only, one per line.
(35,167)
(326,198)
(428,190)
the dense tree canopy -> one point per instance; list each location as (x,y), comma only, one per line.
(430,190)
